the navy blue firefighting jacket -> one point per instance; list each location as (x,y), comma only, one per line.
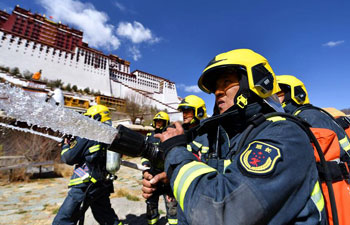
(89,158)
(272,180)
(319,119)
(200,147)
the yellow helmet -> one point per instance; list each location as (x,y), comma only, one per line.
(256,74)
(98,112)
(196,103)
(294,89)
(161,116)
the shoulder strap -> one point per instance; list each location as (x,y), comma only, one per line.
(302,108)
(344,122)
(306,128)
(309,106)
(328,178)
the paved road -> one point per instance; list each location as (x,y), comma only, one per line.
(36,202)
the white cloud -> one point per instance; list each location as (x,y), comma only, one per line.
(120,6)
(136,32)
(190,88)
(333,43)
(97,31)
(8,9)
(135,52)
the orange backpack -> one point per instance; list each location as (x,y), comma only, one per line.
(339,171)
(333,174)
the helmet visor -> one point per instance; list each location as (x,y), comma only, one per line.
(207,81)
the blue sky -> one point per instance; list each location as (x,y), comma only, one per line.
(176,39)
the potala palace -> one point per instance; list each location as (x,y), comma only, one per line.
(33,42)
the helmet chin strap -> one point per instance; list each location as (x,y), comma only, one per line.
(186,126)
(194,120)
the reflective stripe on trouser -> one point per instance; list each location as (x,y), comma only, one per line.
(317,198)
(187,174)
(152,208)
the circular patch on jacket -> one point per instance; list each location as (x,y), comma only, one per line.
(260,158)
(73,144)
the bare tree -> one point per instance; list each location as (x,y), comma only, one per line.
(346,111)
(35,148)
(138,106)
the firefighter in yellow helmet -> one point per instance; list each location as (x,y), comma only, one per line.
(257,175)
(193,109)
(160,121)
(295,100)
(89,186)
(100,113)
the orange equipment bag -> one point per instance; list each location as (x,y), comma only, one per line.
(339,171)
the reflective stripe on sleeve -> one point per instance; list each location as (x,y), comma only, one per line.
(189,148)
(94,148)
(205,149)
(144,160)
(172,221)
(276,118)
(64,151)
(344,143)
(297,112)
(153,221)
(317,198)
(197,144)
(186,176)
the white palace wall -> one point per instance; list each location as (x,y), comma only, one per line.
(56,64)
(61,65)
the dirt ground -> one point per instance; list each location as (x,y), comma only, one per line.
(37,201)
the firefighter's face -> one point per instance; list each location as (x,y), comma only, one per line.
(160,124)
(188,115)
(227,86)
(281,96)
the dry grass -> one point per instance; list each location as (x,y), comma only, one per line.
(123,192)
(51,209)
(20,175)
(63,170)
(15,175)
